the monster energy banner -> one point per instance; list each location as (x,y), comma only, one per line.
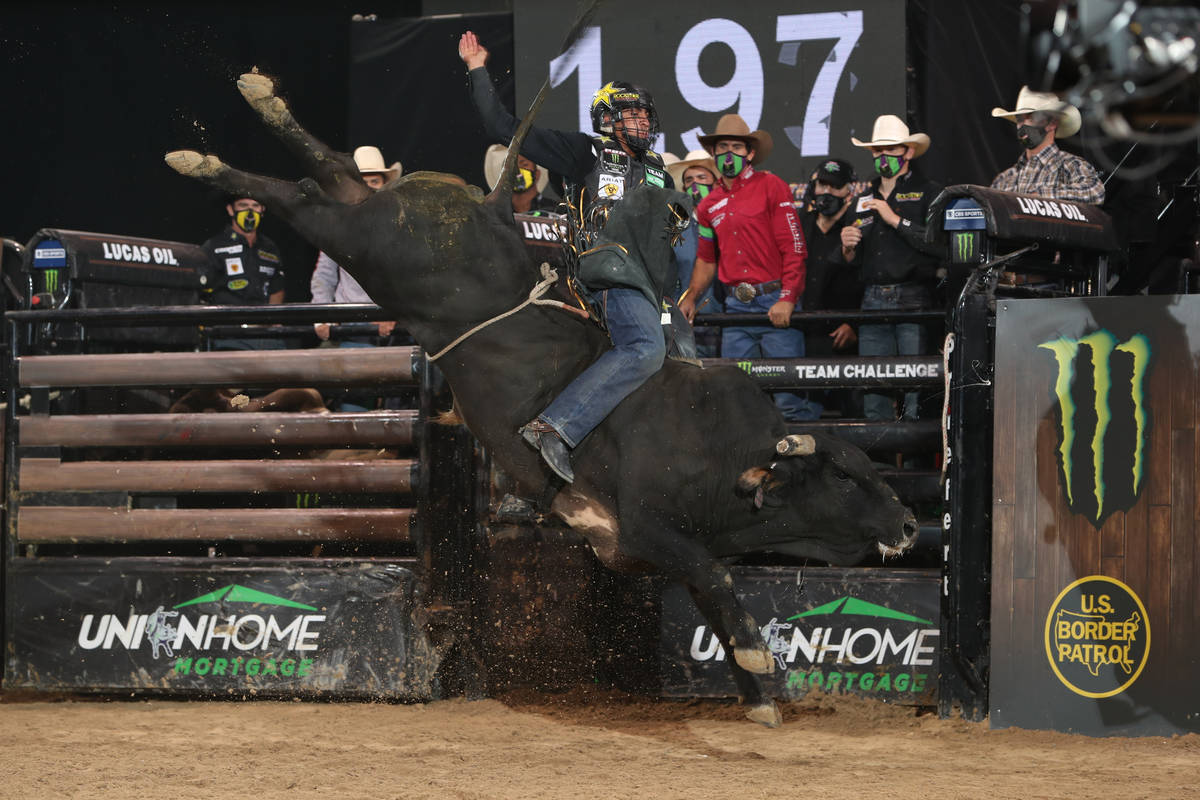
(1095,544)
(1022,218)
(225,629)
(871,632)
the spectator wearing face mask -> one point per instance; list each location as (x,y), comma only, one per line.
(884,236)
(245,268)
(528,191)
(1043,169)
(831,283)
(749,237)
(696,174)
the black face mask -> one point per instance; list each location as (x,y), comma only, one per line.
(827,204)
(1030,136)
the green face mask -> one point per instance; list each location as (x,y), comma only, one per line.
(523,180)
(731,164)
(699,191)
(889,166)
(247,219)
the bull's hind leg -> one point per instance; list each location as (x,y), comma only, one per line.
(336,172)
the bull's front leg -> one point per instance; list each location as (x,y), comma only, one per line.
(759,705)
(679,556)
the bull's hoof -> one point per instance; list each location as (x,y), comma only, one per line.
(193,164)
(259,91)
(756,660)
(765,714)
(254,86)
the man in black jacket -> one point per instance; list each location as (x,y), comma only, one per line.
(885,236)
(830,282)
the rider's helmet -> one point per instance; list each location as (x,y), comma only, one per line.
(614,99)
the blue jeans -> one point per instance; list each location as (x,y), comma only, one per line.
(768,342)
(635,327)
(904,339)
(347,402)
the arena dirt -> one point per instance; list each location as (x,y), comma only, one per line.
(577,745)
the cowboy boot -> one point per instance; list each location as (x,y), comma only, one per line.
(554,450)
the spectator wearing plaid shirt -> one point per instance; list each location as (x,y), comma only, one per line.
(1044,170)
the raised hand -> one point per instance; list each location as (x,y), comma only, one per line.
(471,51)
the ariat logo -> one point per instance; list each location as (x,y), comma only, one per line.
(964,247)
(1097,636)
(1102,421)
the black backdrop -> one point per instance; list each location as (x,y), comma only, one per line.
(93,96)
(409,91)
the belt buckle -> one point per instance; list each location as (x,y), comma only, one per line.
(745,292)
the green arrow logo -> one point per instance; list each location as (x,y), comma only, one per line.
(859,608)
(240,594)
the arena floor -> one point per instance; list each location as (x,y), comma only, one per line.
(577,746)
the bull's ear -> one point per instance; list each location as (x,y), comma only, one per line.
(753,482)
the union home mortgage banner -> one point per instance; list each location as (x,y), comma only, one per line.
(214,628)
(870,632)
(1096,557)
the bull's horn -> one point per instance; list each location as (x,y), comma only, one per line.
(796,445)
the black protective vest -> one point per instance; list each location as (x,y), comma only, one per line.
(614,173)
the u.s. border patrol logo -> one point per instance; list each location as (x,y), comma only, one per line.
(1102,421)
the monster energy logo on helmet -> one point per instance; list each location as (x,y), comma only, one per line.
(1103,420)
(51,280)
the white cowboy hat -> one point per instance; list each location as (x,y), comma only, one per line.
(731,126)
(369,159)
(890,130)
(493,162)
(1029,101)
(696,158)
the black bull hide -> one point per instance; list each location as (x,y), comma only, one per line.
(683,473)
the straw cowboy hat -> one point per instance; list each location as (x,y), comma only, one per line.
(493,162)
(696,158)
(369,159)
(1029,101)
(890,130)
(731,126)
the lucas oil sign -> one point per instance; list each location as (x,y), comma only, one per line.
(872,633)
(172,626)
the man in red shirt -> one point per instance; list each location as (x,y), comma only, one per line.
(749,227)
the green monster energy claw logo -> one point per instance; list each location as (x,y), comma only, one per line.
(51,279)
(1103,420)
(745,366)
(964,247)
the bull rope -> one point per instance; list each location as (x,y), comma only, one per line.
(549,278)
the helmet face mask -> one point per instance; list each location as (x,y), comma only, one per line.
(611,105)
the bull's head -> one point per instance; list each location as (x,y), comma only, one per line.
(822,499)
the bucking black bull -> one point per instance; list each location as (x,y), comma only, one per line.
(692,467)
